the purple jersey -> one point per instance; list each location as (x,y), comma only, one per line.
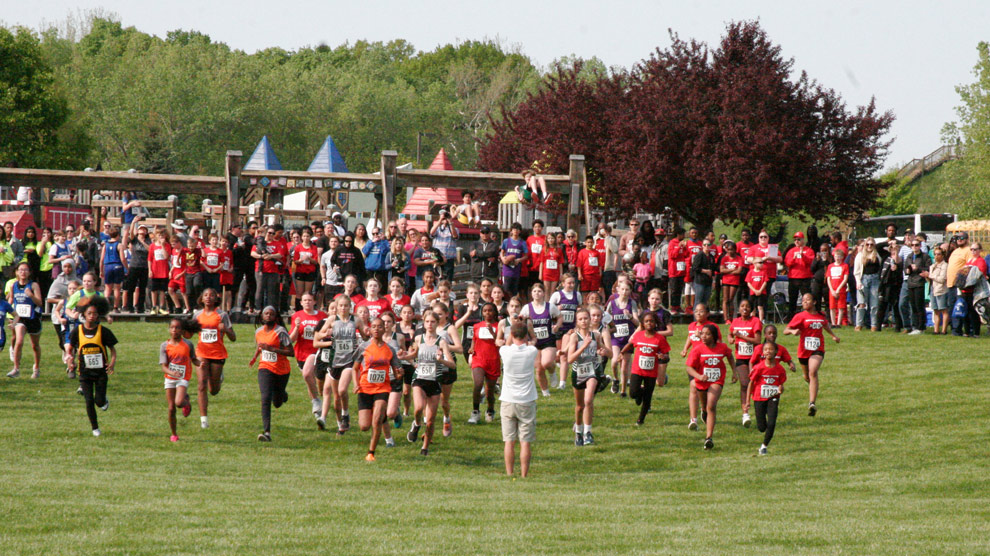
(515,247)
(622,324)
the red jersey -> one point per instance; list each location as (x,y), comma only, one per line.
(757,252)
(284,245)
(757,279)
(647,353)
(227,268)
(553,259)
(689,250)
(749,327)
(571,250)
(212,259)
(591,270)
(305,258)
(306,325)
(811,338)
(742,248)
(158,256)
(273,248)
(676,252)
(766,381)
(694,329)
(710,362)
(485,350)
(397,304)
(375,308)
(536,245)
(783,356)
(176,265)
(798,261)
(732,263)
(192,260)
(835,274)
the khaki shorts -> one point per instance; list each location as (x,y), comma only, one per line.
(688,288)
(518,421)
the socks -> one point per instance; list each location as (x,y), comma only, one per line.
(587,429)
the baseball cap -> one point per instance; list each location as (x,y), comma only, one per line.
(335,215)
(486,230)
(661,232)
(798,235)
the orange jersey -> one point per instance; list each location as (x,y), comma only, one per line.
(374,362)
(178,358)
(210,344)
(270,360)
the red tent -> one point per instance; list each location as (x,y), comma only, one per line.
(21,219)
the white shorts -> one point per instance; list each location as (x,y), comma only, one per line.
(172,384)
(688,288)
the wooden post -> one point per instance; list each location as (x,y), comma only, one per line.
(233,204)
(578,182)
(388,187)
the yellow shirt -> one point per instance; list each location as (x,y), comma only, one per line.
(957,260)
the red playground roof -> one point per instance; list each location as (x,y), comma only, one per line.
(441,162)
(419,205)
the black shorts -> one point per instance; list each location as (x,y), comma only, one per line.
(33,325)
(804,360)
(367,401)
(307,277)
(159,285)
(583,383)
(214,361)
(449,376)
(321,372)
(407,373)
(429,387)
(336,371)
(396,385)
(758,300)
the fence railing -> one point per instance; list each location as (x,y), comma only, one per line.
(936,158)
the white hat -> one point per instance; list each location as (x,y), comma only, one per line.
(179,225)
(335,215)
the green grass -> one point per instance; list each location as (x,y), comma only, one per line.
(895,463)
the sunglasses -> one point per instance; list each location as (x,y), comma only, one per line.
(915,245)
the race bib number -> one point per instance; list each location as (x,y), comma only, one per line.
(176,371)
(712,374)
(308,332)
(542,333)
(622,329)
(769,391)
(469,333)
(93,360)
(812,343)
(835,272)
(427,371)
(374,311)
(584,370)
(344,345)
(593,261)
(325,355)
(568,316)
(695,338)
(212,260)
(745,348)
(647,362)
(24,310)
(485,333)
(377,376)
(160,255)
(226,265)
(551,264)
(269,356)
(537,248)
(680,266)
(208,335)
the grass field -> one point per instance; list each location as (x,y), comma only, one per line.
(895,462)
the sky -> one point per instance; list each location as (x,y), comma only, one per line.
(909,55)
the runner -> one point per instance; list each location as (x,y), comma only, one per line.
(274,347)
(377,305)
(745,331)
(484,363)
(177,358)
(97,358)
(707,367)
(505,325)
(342,339)
(372,366)
(766,384)
(584,350)
(302,332)
(429,350)
(424,296)
(808,326)
(399,345)
(25,297)
(211,351)
(567,300)
(447,374)
(546,320)
(498,300)
(783,356)
(693,341)
(469,313)
(650,353)
(623,311)
(397,298)
(407,327)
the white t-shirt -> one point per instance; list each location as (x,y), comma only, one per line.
(518,371)
(333,279)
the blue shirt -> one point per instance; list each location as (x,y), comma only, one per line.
(375,253)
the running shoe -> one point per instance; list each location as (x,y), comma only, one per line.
(204,423)
(561,385)
(489,415)
(321,423)
(345,423)
(36,373)
(474,418)
(693,425)
(448,428)
(413,433)
(623,395)
(398,421)
(105,406)
(265,437)
(498,388)
(186,409)
(16,373)
(173,438)
(578,439)
(424,452)
(588,439)
(390,442)
(79,391)
(915,333)
(704,416)
(70,374)
(546,393)
(96,432)
(762,451)
(317,407)
(340,431)
(370,458)
(11,351)
(812,409)
(709,444)
(746,421)
(615,386)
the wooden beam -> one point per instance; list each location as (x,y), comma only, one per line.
(490,181)
(116,181)
(576,178)
(115,203)
(232,170)
(389,161)
(332,176)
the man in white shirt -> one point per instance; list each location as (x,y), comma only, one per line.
(518,399)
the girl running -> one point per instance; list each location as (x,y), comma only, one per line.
(649,350)
(766,384)
(429,350)
(399,345)
(448,373)
(397,298)
(97,358)
(211,351)
(177,358)
(376,304)
(343,334)
(692,341)
(707,367)
(543,317)
(375,362)
(484,362)
(424,296)
(505,325)
(808,326)
(407,327)
(469,315)
(302,332)
(567,300)
(275,348)
(25,297)
(745,333)
(783,356)
(622,309)
(498,300)
(585,348)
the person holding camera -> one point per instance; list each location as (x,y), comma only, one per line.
(484,256)
(445,240)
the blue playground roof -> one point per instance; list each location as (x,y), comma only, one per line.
(263,157)
(328,159)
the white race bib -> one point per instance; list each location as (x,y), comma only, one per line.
(469,332)
(646,362)
(593,261)
(325,355)
(568,316)
(835,272)
(208,335)
(344,345)
(176,371)
(542,333)
(93,360)
(745,348)
(160,255)
(269,356)
(769,391)
(308,332)
(622,329)
(24,310)
(537,248)
(212,260)
(377,376)
(226,265)
(680,266)
(812,343)
(427,370)
(485,333)
(551,264)
(584,370)
(712,374)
